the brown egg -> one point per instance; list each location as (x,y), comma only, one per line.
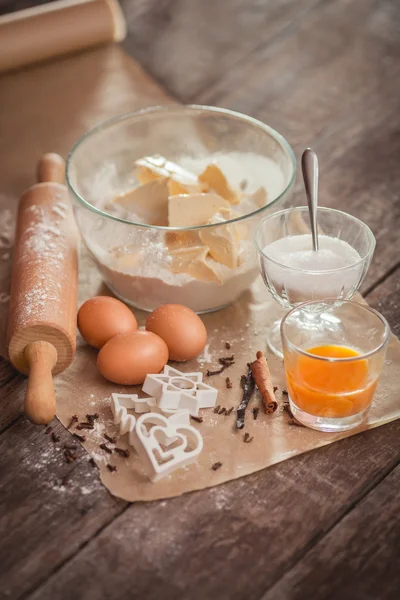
(127,358)
(180,328)
(103,317)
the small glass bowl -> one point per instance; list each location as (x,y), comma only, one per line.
(134,257)
(332,389)
(290,286)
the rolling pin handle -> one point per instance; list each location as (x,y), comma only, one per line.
(51,167)
(40,400)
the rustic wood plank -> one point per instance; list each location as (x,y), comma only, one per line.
(386,298)
(358,559)
(48,508)
(354,121)
(330,68)
(189,46)
(255,527)
(229,542)
(311,82)
(8,6)
(11,397)
(316,87)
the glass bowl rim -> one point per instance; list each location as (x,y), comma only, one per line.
(329,303)
(185,108)
(325,209)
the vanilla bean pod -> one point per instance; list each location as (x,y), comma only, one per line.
(248,384)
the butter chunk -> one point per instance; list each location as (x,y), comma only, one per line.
(191,210)
(175,188)
(223,242)
(152,167)
(128,261)
(193,261)
(214,177)
(242,228)
(148,201)
(182,239)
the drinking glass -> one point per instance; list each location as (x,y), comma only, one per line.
(332,369)
(291,286)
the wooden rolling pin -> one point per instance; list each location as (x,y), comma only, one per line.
(43,304)
(42,32)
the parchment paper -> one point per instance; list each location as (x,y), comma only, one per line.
(116,86)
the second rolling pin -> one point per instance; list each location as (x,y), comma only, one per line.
(43,304)
(42,32)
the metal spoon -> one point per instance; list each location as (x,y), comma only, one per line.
(309,164)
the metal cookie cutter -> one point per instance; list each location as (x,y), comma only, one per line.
(174,389)
(152,431)
(122,403)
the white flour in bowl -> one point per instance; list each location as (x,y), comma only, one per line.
(136,262)
(149,282)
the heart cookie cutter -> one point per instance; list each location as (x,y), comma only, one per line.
(176,390)
(152,431)
(122,403)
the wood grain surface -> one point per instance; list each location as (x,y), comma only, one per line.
(324,525)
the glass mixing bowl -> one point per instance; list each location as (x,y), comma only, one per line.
(146,264)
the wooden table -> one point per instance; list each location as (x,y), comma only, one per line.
(322,525)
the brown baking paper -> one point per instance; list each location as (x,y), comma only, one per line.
(81,389)
(96,86)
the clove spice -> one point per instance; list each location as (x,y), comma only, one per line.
(197,419)
(227,345)
(110,439)
(216,372)
(81,438)
(216,466)
(69,455)
(292,419)
(122,452)
(92,418)
(85,425)
(111,468)
(256,410)
(229,411)
(228,383)
(106,448)
(55,438)
(247,439)
(74,419)
(225,361)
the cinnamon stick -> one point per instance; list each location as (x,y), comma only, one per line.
(263,381)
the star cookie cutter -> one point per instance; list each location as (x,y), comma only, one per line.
(176,390)
(122,403)
(152,431)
